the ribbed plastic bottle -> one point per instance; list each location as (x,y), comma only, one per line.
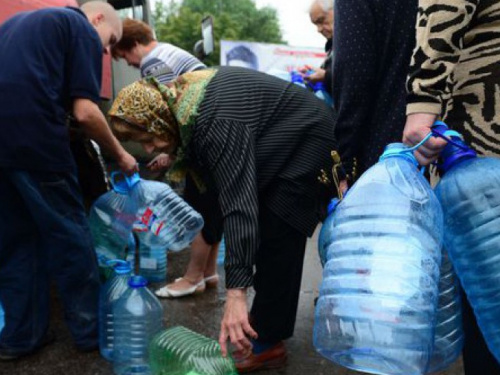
(180,351)
(378,299)
(221,255)
(321,93)
(325,238)
(469,192)
(165,215)
(111,219)
(110,292)
(138,318)
(153,254)
(449,334)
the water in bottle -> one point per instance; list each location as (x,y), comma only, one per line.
(180,351)
(2,318)
(325,235)
(449,334)
(110,292)
(138,317)
(469,192)
(165,214)
(153,257)
(111,219)
(377,306)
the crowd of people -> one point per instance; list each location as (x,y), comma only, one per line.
(249,146)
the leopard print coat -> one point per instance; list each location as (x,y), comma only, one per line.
(455,68)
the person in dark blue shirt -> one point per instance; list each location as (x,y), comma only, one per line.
(50,68)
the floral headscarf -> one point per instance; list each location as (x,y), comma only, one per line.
(165,110)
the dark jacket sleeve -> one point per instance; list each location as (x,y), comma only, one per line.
(227,150)
(355,67)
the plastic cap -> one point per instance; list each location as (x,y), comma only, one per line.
(120,266)
(137,282)
(399,150)
(125,184)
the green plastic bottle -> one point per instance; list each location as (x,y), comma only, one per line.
(180,351)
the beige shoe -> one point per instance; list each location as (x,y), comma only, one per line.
(166,292)
(212,281)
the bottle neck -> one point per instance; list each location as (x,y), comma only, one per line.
(455,153)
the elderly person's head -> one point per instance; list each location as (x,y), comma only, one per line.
(321,13)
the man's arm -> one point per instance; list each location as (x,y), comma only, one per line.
(93,122)
(441,26)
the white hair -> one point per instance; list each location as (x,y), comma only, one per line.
(326,5)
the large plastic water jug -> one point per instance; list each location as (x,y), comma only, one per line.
(469,192)
(178,350)
(153,257)
(110,292)
(166,215)
(377,306)
(449,334)
(138,318)
(325,235)
(111,219)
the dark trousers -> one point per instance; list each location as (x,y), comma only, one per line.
(279,262)
(44,234)
(477,358)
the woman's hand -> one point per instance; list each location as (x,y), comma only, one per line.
(235,324)
(160,162)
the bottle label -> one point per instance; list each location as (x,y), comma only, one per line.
(148,221)
(149,263)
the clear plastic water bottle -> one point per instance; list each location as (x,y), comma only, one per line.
(110,292)
(377,306)
(153,257)
(449,334)
(165,214)
(179,350)
(111,219)
(221,255)
(138,317)
(469,192)
(321,93)
(325,235)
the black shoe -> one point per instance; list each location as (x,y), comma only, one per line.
(7,355)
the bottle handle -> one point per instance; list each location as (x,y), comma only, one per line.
(125,183)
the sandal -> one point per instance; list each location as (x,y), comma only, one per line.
(212,281)
(166,292)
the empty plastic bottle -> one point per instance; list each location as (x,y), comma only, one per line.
(378,299)
(180,351)
(111,291)
(449,334)
(469,192)
(221,255)
(111,219)
(153,257)
(138,317)
(166,215)
(325,235)
(321,93)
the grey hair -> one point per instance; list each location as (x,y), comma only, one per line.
(326,5)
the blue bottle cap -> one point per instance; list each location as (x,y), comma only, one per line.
(125,184)
(120,266)
(455,152)
(137,282)
(399,150)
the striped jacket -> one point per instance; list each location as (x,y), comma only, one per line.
(261,141)
(455,69)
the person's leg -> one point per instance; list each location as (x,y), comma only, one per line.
(278,276)
(56,205)
(476,357)
(24,291)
